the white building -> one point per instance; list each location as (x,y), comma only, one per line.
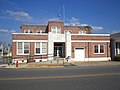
(1,50)
(115,44)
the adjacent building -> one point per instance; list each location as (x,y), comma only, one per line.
(5,49)
(1,49)
(115,45)
(43,42)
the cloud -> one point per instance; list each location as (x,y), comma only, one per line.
(84,25)
(12,31)
(6,31)
(20,15)
(54,19)
(96,28)
(75,22)
(72,22)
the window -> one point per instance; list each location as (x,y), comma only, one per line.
(37,48)
(26,48)
(28,31)
(96,49)
(40,48)
(39,31)
(117,48)
(43,31)
(20,48)
(56,29)
(82,32)
(23,48)
(99,49)
(44,47)
(53,30)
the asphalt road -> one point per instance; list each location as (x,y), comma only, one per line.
(69,78)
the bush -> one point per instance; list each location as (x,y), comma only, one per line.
(117,57)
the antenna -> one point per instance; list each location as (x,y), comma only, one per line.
(63,13)
(58,14)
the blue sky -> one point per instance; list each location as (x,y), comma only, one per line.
(102,15)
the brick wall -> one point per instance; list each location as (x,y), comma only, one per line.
(29,37)
(34,28)
(26,37)
(89,49)
(32,52)
(88,46)
(55,23)
(76,29)
(87,37)
(47,28)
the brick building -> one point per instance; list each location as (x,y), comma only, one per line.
(43,42)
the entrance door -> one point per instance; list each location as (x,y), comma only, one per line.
(79,54)
(59,50)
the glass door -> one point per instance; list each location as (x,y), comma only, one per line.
(58,51)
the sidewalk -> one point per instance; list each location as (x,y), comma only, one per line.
(97,63)
(45,64)
(34,65)
(54,64)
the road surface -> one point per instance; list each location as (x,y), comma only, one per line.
(68,78)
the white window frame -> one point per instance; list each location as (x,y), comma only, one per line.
(18,50)
(22,48)
(41,53)
(35,48)
(99,48)
(26,49)
(46,47)
(56,29)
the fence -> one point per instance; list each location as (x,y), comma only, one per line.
(7,59)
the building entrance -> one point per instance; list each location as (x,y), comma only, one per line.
(59,50)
